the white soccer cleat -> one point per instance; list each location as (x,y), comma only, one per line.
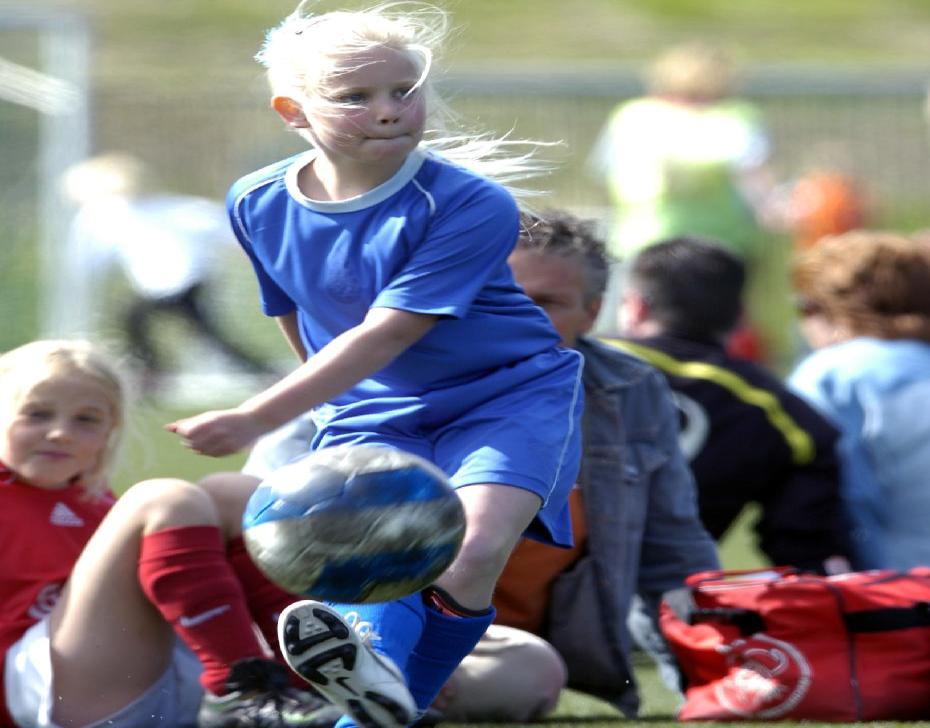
(325,651)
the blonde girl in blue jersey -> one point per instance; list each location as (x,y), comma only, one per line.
(381,252)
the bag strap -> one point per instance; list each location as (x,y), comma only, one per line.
(746,621)
(889,618)
(748,576)
(682,604)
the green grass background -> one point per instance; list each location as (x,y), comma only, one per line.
(200,44)
(199,38)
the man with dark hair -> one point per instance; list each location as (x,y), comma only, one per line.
(674,277)
(748,439)
(634,515)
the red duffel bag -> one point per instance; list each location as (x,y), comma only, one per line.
(783,645)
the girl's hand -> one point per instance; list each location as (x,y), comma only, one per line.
(217,433)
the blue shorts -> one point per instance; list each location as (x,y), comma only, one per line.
(520,426)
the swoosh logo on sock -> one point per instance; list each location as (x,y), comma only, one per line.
(188,622)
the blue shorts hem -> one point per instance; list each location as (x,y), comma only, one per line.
(546,527)
(516,480)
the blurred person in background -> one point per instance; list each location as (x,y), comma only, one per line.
(827,198)
(825,201)
(748,439)
(168,246)
(688,157)
(691,158)
(864,302)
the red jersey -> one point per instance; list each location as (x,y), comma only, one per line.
(42,533)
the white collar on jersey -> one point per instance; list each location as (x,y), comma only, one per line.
(372,197)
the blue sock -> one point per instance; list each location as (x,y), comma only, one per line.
(395,626)
(445,642)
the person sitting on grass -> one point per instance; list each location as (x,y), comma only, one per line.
(634,514)
(129,612)
(864,300)
(747,437)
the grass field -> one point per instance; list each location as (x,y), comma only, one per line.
(173,37)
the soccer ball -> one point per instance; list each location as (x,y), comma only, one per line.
(354,523)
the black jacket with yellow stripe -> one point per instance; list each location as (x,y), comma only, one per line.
(750,440)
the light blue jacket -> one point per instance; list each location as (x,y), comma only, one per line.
(878,393)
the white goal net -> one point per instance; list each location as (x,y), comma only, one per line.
(44,64)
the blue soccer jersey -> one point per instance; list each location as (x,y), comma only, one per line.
(433,239)
(487,394)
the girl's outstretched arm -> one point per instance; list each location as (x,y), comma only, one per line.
(352,356)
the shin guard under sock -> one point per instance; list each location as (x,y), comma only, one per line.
(185,574)
(447,639)
(391,628)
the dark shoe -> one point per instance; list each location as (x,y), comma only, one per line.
(260,696)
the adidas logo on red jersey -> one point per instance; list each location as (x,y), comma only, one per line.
(64,516)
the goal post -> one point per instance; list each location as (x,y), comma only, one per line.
(54,83)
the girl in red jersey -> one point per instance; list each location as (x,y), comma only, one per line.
(97,591)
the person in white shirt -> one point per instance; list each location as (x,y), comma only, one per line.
(167,246)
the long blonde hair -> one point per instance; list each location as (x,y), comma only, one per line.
(307,51)
(23,368)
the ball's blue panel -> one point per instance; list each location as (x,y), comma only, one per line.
(386,487)
(352,579)
(258,503)
(292,492)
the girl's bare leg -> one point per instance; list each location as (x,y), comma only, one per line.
(496,518)
(108,642)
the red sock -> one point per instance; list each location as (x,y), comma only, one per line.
(185,574)
(266,600)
